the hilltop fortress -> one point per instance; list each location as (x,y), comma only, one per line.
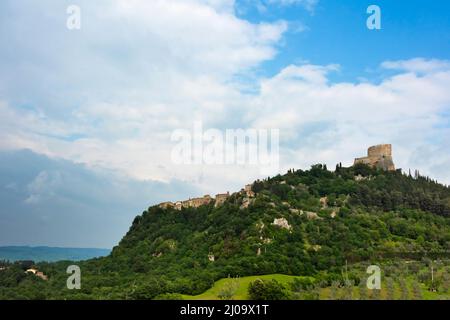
(379,156)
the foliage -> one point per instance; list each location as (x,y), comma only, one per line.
(378,216)
(267,290)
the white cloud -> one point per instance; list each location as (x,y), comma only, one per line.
(320,121)
(309,4)
(111,95)
(420,65)
(334,122)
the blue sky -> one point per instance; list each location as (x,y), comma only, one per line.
(335,32)
(86,116)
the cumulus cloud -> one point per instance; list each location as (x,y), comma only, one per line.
(333,122)
(419,65)
(308,4)
(111,94)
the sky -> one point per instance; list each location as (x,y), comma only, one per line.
(87,115)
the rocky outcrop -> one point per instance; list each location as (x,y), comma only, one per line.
(282,223)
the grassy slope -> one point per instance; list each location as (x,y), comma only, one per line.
(244,282)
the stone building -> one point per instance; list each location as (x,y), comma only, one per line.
(37,273)
(379,156)
(221,198)
(248,191)
(197,202)
(191,203)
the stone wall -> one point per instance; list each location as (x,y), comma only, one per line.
(380,151)
(379,156)
(221,198)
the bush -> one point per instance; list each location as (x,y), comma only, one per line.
(267,290)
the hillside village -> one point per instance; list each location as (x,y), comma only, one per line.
(207,199)
(379,156)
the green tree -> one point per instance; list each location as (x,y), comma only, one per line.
(267,290)
(229,289)
(404,289)
(390,289)
(363,289)
(348,290)
(417,291)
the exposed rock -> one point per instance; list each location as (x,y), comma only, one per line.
(211,257)
(282,223)
(248,191)
(324,202)
(246,202)
(312,215)
(359,178)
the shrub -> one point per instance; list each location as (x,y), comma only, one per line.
(267,290)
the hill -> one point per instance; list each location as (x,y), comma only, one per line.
(316,223)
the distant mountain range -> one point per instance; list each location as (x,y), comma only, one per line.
(50,254)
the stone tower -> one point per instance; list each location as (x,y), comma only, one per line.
(379,156)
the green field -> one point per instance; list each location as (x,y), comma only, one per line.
(324,293)
(241,293)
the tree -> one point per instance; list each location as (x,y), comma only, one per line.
(404,289)
(446,282)
(267,290)
(376,293)
(348,290)
(417,291)
(363,289)
(390,289)
(229,289)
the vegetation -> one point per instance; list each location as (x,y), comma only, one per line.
(267,290)
(350,217)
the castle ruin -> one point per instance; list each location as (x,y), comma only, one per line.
(195,202)
(221,198)
(379,156)
(207,199)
